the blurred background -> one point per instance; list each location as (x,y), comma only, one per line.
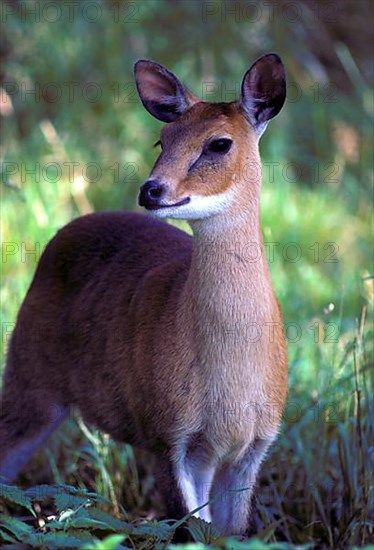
(75,139)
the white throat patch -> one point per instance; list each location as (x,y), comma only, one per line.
(198,208)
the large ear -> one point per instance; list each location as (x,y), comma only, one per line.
(263,90)
(162,94)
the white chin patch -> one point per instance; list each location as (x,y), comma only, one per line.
(198,207)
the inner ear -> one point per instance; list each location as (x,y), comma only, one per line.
(264,90)
(160,91)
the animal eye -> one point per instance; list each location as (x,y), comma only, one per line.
(221,146)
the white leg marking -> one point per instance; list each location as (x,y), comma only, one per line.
(195,475)
(187,487)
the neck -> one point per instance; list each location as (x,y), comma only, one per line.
(228,284)
(230,301)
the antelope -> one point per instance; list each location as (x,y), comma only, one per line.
(144,329)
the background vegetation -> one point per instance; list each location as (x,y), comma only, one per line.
(75,139)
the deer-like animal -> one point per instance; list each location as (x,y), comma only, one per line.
(166,341)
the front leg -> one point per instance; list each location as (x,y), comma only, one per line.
(232,490)
(195,474)
(184,478)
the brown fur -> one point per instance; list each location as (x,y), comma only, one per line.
(145,330)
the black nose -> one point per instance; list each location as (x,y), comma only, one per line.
(150,193)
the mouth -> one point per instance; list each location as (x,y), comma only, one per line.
(159,206)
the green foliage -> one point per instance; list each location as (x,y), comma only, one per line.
(201,531)
(78,520)
(80,525)
(113,542)
(14,494)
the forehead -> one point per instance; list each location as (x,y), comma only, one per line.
(204,119)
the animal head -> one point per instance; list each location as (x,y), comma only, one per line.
(207,148)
